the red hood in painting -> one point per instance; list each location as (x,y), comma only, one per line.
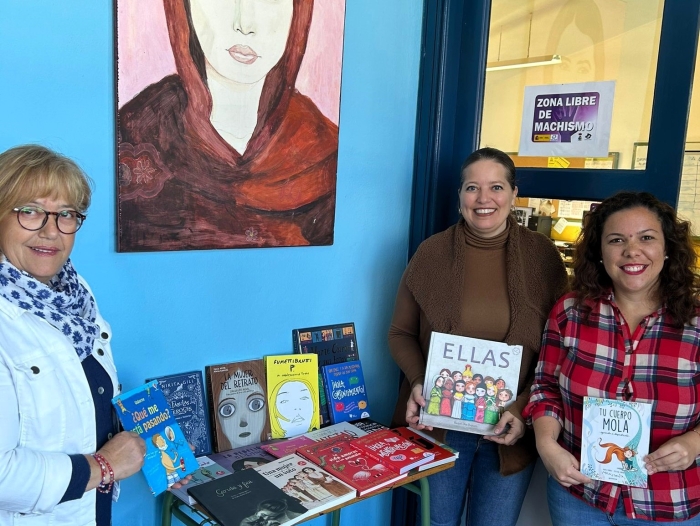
(182,186)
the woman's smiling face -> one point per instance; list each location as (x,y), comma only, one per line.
(633,250)
(486,197)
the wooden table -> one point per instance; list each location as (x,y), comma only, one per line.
(416,482)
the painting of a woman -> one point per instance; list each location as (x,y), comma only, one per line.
(227,152)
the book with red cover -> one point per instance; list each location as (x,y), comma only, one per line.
(392,450)
(340,459)
(282,448)
(443,455)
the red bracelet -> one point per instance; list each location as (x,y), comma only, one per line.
(107,480)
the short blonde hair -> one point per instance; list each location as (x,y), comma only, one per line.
(31,171)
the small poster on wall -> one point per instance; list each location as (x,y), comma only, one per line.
(569,120)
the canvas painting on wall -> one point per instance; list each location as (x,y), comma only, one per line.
(227,123)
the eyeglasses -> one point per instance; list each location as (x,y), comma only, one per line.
(34,218)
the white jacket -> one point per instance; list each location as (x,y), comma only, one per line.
(46,413)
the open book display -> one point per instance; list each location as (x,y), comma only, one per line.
(469,382)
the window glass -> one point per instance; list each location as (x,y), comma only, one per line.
(545,42)
(689,196)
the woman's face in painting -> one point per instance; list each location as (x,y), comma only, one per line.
(470,389)
(480,391)
(242,40)
(295,403)
(242,415)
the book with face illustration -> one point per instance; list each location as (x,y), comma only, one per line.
(292,383)
(469,382)
(301,479)
(238,404)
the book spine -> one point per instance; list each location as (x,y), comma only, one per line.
(330,412)
(296,348)
(212,410)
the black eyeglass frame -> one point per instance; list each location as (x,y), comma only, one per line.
(80,216)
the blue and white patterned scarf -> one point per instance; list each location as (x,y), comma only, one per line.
(65,303)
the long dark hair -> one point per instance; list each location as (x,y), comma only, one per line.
(678,284)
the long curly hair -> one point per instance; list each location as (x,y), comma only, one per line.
(678,284)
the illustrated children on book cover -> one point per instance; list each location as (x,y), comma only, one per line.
(614,440)
(168,459)
(469,382)
(292,382)
(238,403)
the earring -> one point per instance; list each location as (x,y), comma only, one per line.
(601,260)
(665,257)
(459,209)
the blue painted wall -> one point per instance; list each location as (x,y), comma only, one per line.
(178,311)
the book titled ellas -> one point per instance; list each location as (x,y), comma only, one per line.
(208,470)
(332,344)
(350,465)
(615,438)
(185,394)
(346,391)
(238,404)
(145,411)
(316,489)
(469,382)
(397,453)
(292,390)
(246,498)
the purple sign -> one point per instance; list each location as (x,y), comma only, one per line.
(565,117)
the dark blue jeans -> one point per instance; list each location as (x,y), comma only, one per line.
(475,482)
(567,510)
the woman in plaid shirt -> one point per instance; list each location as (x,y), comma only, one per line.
(628,331)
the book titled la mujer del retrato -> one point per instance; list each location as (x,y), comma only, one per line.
(469,382)
(614,440)
(145,411)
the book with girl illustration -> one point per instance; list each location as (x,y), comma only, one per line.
(614,440)
(469,382)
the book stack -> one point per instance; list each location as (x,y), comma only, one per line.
(339,458)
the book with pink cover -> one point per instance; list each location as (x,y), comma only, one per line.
(282,448)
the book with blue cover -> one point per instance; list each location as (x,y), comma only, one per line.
(332,344)
(346,392)
(185,394)
(145,411)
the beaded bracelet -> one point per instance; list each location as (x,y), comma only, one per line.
(696,430)
(107,480)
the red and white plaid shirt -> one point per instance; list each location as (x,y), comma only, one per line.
(595,355)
